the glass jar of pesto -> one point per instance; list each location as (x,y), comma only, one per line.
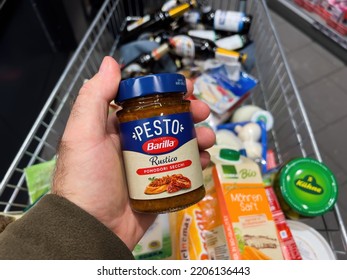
(159,145)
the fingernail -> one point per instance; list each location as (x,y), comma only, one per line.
(103,66)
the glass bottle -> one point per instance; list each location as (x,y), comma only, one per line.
(154,21)
(193,47)
(232,21)
(233,42)
(147,60)
(159,145)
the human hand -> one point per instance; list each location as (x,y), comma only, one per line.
(89,169)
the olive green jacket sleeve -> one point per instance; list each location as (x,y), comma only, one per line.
(55,228)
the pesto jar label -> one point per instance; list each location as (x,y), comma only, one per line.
(161,156)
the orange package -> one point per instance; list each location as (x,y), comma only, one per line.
(238,219)
(189,236)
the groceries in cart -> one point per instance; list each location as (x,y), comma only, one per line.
(237,219)
(219,59)
(252,137)
(249,196)
(184,32)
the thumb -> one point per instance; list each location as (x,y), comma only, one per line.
(88,118)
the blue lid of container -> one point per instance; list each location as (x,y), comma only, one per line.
(150,84)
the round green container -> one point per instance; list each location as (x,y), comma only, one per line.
(307,188)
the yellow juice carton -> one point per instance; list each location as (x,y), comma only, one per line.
(240,225)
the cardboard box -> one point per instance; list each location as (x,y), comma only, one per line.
(239,222)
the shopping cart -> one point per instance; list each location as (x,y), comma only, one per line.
(291,135)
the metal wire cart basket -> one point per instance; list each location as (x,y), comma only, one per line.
(291,135)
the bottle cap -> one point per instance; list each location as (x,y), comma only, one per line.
(229,154)
(265,116)
(151,84)
(308,187)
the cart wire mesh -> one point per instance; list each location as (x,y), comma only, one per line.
(290,137)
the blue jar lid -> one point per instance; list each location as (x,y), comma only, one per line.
(150,84)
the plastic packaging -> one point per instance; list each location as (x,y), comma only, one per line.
(255,149)
(253,113)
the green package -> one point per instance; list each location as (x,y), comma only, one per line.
(38,178)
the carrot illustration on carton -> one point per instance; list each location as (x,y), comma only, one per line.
(251,253)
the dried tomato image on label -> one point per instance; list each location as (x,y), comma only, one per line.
(170,183)
(158,185)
